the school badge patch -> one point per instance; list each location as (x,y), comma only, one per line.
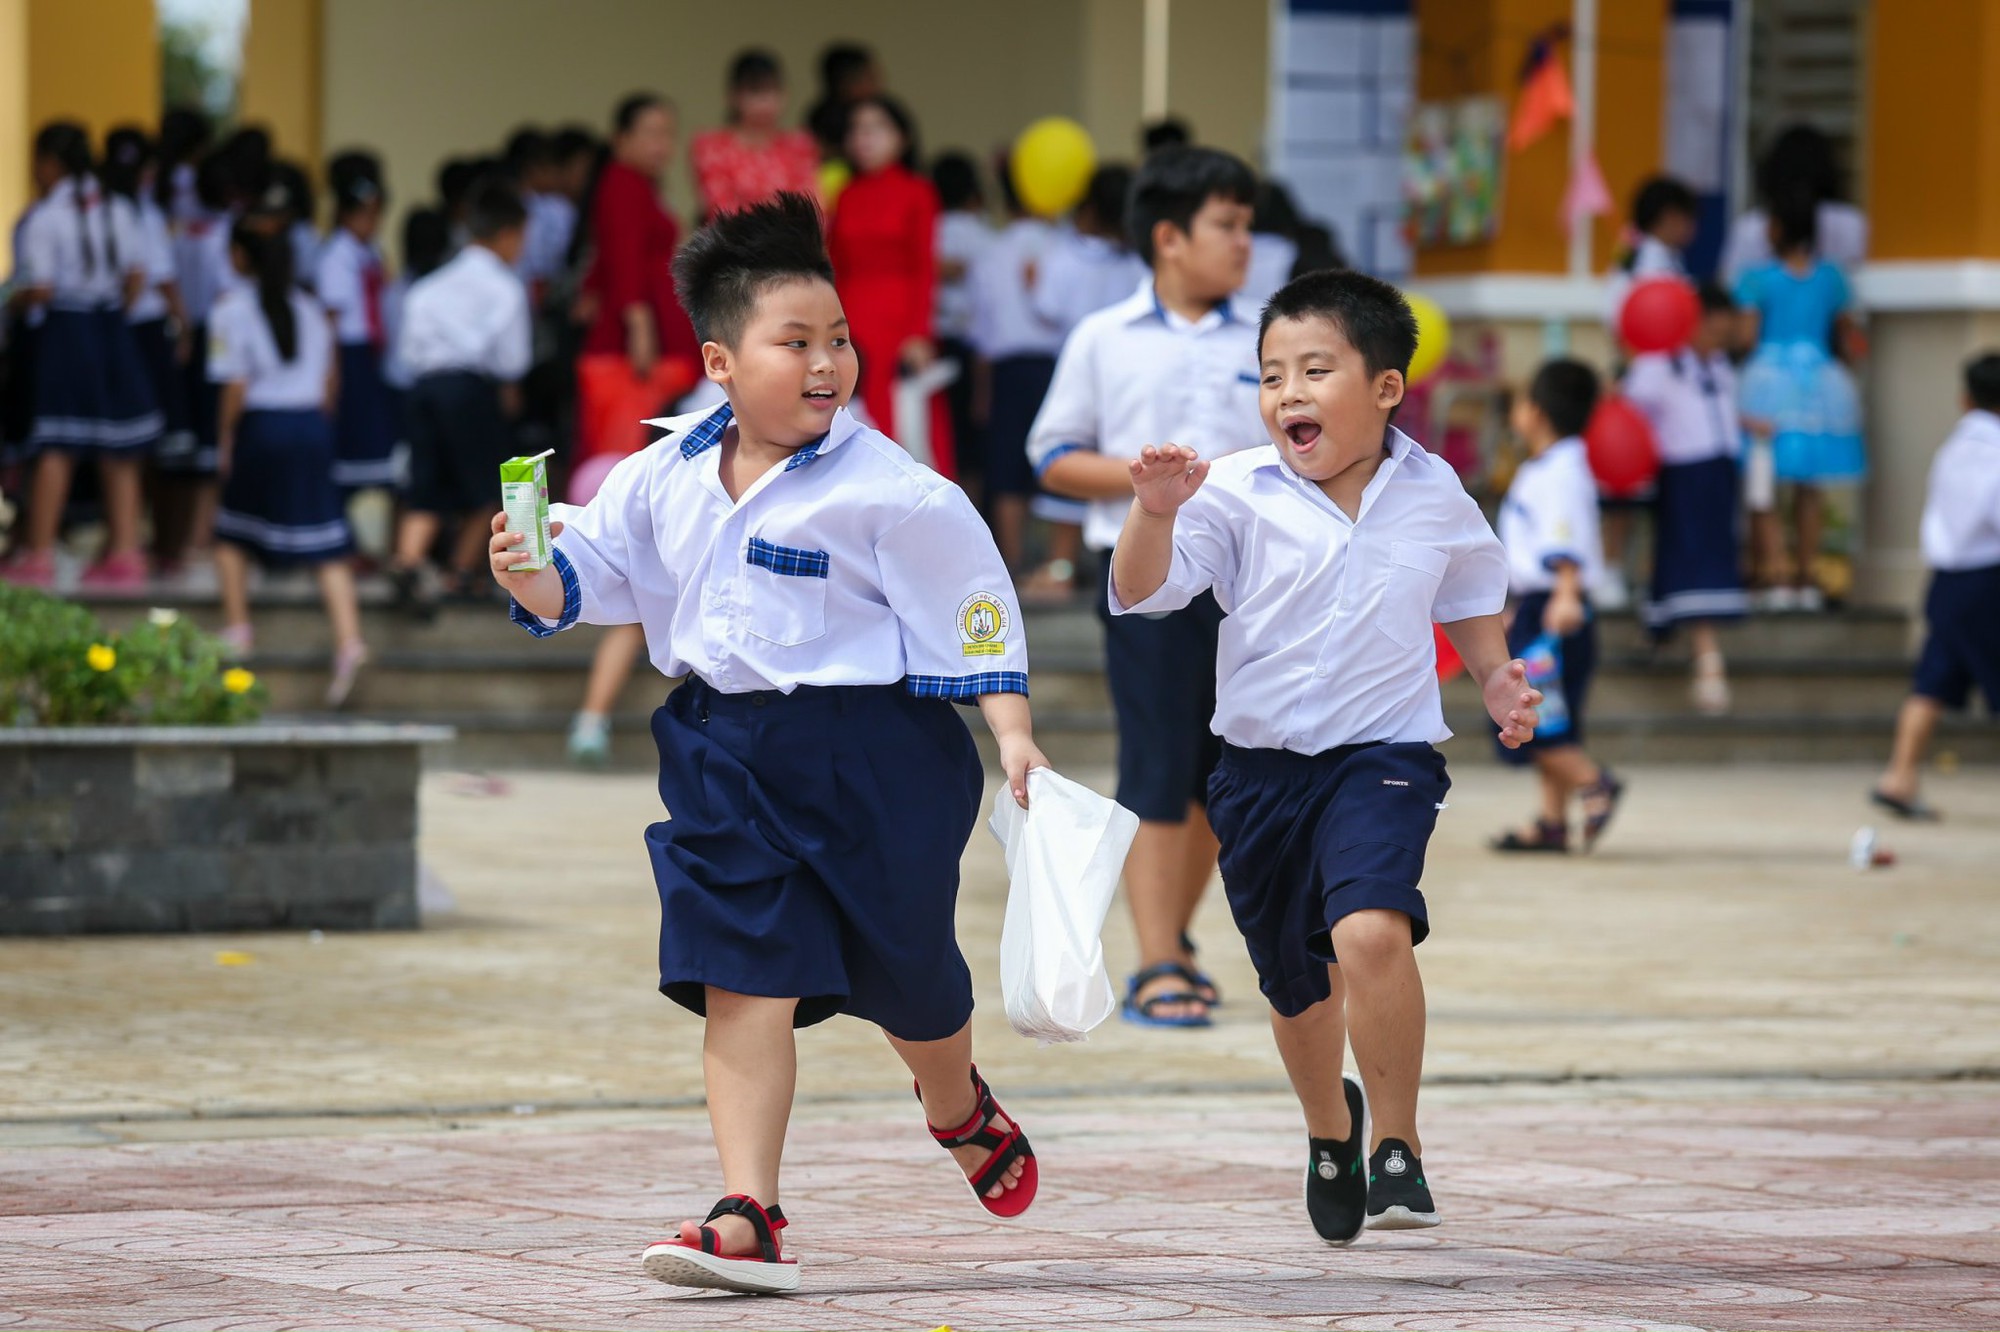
(982,624)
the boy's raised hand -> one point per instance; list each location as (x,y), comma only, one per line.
(1165,476)
(1513,704)
(503,559)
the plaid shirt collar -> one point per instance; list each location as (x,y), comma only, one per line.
(708,433)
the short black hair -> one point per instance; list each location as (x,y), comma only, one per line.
(1715,298)
(754,69)
(1166,132)
(426,241)
(493,208)
(725,266)
(1565,391)
(1659,196)
(840,62)
(955,176)
(1106,198)
(1982,381)
(573,141)
(1174,183)
(526,149)
(1370,314)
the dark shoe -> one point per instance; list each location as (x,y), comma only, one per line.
(1913,811)
(1608,789)
(1336,1190)
(1551,837)
(1398,1198)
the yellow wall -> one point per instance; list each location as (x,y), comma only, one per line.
(1934,130)
(95,61)
(281,86)
(1472,47)
(399,77)
(15,127)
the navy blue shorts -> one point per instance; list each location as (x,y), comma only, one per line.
(1310,838)
(811,851)
(1579,665)
(1019,385)
(1162,676)
(1962,647)
(458,437)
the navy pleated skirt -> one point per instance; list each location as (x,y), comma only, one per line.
(1697,564)
(92,392)
(365,422)
(279,498)
(811,851)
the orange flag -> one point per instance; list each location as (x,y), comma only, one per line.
(1545,98)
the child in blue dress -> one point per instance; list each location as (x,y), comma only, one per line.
(1796,395)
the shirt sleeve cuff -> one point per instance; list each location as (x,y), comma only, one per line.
(963,688)
(572,603)
(1554,558)
(1048,459)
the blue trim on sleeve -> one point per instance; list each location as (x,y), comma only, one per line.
(1060,450)
(788,559)
(1554,558)
(572,602)
(967,686)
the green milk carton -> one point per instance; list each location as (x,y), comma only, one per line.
(524,494)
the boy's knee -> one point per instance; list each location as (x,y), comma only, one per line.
(1371,937)
(726,1005)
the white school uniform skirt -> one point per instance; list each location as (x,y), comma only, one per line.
(279,498)
(92,392)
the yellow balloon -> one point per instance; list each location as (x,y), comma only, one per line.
(1052,164)
(833,178)
(1433,336)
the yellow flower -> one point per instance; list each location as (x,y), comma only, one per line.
(237,680)
(100,657)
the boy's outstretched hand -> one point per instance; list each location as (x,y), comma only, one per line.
(1165,476)
(536,589)
(1512,703)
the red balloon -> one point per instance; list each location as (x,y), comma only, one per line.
(1449,664)
(1660,314)
(1623,453)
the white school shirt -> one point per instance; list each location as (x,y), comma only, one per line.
(471,314)
(1001,292)
(849,564)
(1328,640)
(961,238)
(1961,526)
(545,246)
(1550,515)
(242,350)
(69,248)
(395,298)
(341,283)
(1137,374)
(201,262)
(156,251)
(1690,400)
(1080,275)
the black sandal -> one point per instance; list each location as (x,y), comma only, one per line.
(1608,789)
(1140,1012)
(1550,837)
(1913,810)
(704,1265)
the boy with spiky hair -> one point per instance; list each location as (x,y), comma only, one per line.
(828,599)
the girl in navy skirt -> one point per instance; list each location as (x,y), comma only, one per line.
(1690,397)
(80,268)
(271,351)
(349,283)
(828,600)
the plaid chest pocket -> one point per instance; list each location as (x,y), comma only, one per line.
(787,592)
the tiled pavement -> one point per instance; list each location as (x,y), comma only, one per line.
(188,1144)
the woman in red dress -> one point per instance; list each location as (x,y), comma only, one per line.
(752,157)
(883,241)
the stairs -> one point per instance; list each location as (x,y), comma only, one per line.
(1808,688)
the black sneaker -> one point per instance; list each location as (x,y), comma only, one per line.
(1336,1191)
(1398,1198)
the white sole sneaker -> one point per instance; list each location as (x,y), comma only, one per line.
(678,1265)
(1402,1218)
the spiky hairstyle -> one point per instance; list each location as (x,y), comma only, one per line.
(727,265)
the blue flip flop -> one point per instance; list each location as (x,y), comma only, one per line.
(1141,1013)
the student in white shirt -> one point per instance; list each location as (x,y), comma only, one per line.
(1333,551)
(80,263)
(158,322)
(271,351)
(1690,398)
(828,599)
(1175,360)
(349,282)
(963,234)
(465,342)
(1091,265)
(1548,523)
(1961,539)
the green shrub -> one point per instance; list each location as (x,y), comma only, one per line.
(58,667)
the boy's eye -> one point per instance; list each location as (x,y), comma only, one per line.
(1270,381)
(839,342)
(799,343)
(1316,370)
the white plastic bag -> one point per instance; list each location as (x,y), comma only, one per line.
(1064,855)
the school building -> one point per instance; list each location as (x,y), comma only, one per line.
(1324,93)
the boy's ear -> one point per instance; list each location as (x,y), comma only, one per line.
(1165,236)
(1389,389)
(716,362)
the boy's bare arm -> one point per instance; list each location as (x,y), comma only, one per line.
(1085,475)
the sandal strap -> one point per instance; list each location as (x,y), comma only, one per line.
(1139,980)
(766,1222)
(1004,1148)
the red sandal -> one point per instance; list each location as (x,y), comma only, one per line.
(705,1265)
(1006,1148)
